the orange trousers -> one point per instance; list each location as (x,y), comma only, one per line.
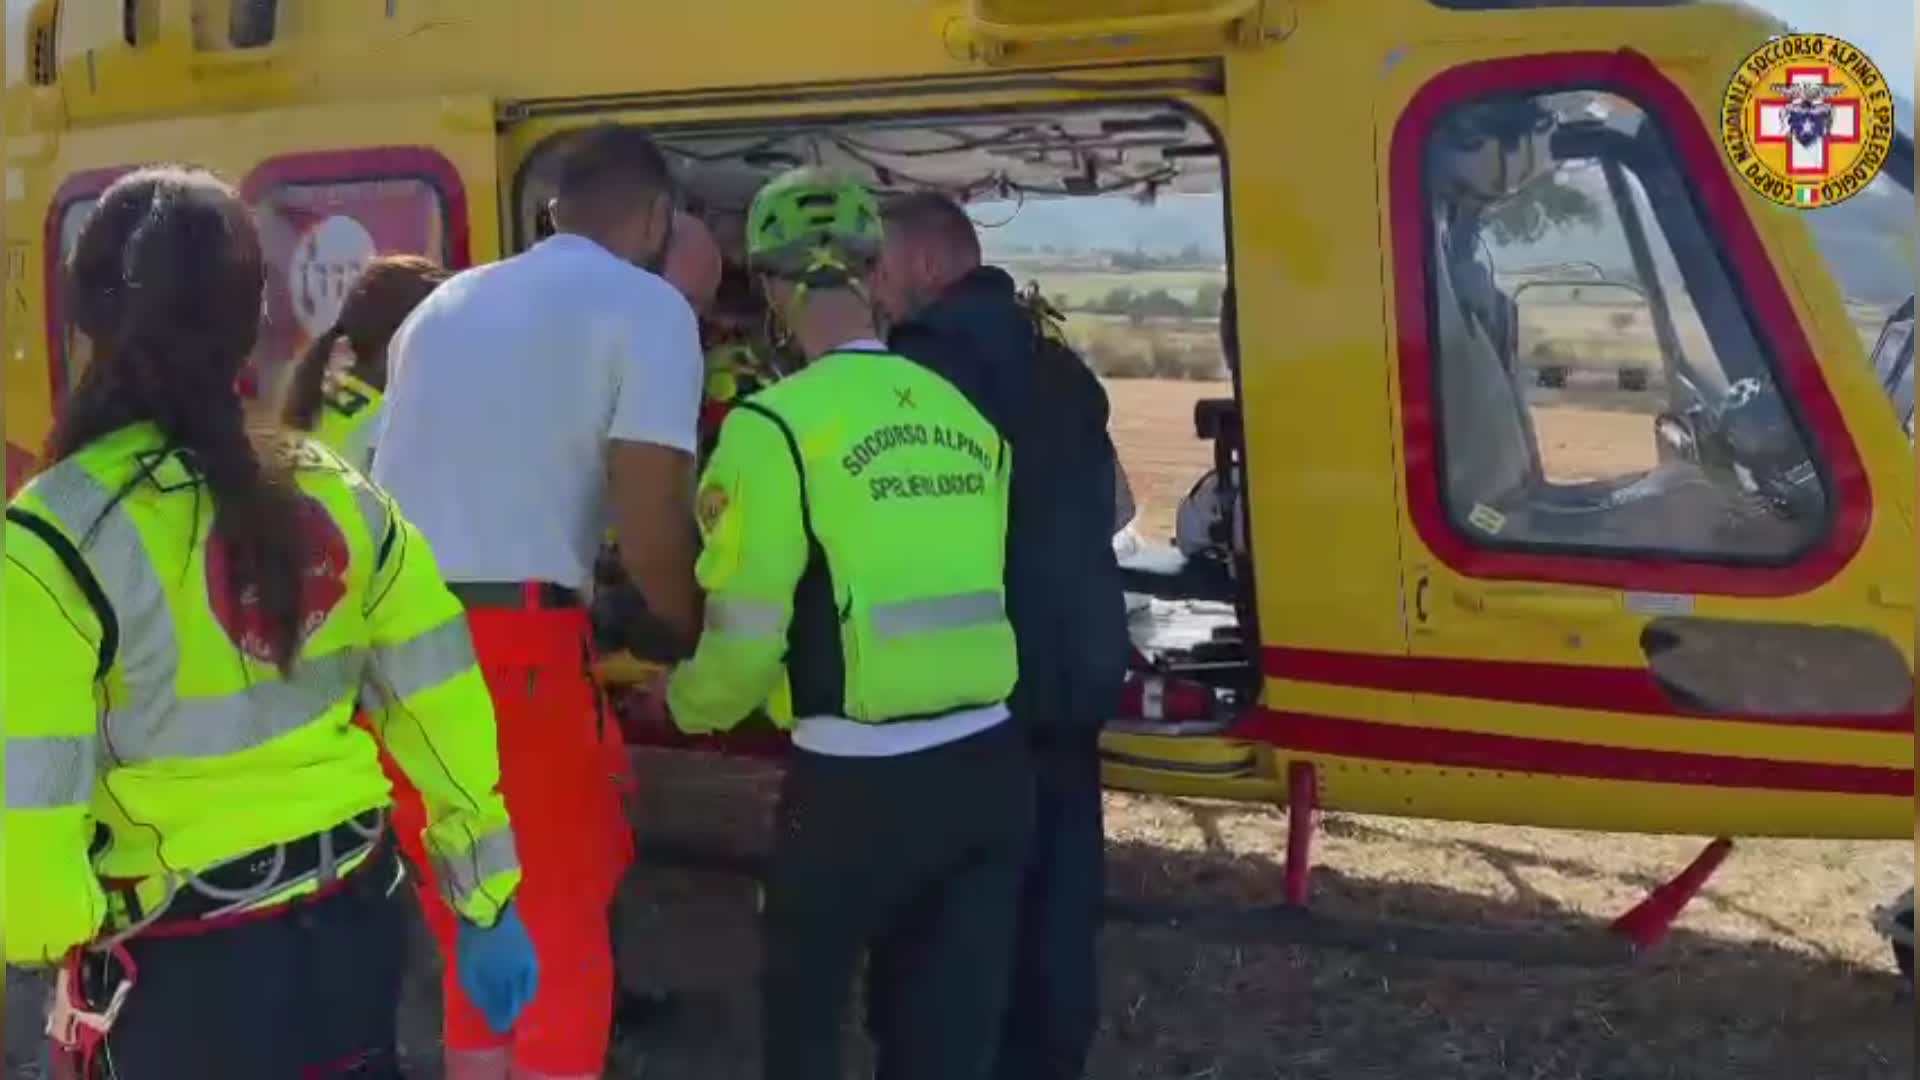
(566,778)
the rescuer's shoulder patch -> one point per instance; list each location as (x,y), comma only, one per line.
(711,503)
(1808,120)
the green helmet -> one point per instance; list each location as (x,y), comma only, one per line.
(813,226)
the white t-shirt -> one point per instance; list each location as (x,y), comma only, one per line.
(508,382)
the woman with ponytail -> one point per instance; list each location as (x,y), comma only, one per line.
(335,391)
(197,836)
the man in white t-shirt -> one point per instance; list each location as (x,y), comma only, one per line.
(532,401)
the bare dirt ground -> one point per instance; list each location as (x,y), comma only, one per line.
(1774,972)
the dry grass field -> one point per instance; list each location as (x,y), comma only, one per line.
(1773,973)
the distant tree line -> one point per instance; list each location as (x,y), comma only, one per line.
(1140,305)
(1190,257)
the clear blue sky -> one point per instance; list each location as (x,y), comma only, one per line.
(1884,28)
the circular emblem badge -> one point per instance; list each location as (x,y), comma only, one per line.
(324,266)
(1808,120)
(322,586)
(710,505)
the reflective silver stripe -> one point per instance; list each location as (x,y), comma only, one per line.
(397,672)
(373,510)
(147,718)
(149,656)
(745,618)
(461,874)
(49,772)
(176,727)
(940,613)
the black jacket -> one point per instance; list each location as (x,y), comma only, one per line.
(1063,586)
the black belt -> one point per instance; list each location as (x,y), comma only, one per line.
(516,595)
(284,865)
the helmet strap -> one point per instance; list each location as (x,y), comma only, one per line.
(824,269)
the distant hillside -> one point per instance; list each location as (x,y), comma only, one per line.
(1046,226)
(1863,239)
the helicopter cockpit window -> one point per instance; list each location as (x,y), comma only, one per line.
(1601,388)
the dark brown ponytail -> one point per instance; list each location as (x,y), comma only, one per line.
(308,383)
(381,298)
(167,282)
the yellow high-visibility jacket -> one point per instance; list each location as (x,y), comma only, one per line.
(349,419)
(137,697)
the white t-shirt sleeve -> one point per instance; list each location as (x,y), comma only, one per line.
(659,370)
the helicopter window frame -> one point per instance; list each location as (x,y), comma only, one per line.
(350,165)
(79,191)
(1732,239)
(422,164)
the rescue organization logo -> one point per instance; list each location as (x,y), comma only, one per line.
(325,264)
(711,503)
(1808,120)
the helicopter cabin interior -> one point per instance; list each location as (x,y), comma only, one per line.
(1188,607)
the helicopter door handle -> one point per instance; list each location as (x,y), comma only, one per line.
(1535,603)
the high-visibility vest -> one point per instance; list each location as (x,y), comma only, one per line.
(854,518)
(139,697)
(348,420)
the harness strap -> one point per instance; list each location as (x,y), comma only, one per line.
(241,889)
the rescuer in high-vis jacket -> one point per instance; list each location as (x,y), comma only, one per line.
(337,387)
(195,831)
(854,524)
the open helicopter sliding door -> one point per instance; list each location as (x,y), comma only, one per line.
(345,184)
(1647,586)
(1002,142)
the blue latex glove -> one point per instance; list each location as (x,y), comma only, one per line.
(498,969)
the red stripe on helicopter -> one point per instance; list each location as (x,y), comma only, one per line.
(1508,753)
(1561,686)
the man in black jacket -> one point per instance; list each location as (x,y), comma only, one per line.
(967,322)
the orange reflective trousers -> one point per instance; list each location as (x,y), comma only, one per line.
(566,777)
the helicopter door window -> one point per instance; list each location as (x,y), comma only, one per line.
(323,216)
(78,194)
(66,362)
(1600,387)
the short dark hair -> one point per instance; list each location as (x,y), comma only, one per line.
(612,165)
(937,217)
